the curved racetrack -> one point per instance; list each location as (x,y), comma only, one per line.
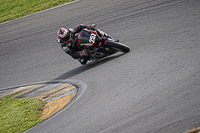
(154,88)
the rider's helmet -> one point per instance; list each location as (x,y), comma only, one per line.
(63,34)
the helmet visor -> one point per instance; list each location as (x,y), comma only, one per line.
(65,39)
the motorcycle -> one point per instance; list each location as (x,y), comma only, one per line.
(98,44)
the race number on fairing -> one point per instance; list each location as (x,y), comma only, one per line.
(92,38)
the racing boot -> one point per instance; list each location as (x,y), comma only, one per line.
(83,60)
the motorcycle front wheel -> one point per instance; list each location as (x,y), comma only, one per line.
(118,46)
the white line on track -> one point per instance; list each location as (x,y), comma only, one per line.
(40,11)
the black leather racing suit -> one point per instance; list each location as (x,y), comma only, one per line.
(70,46)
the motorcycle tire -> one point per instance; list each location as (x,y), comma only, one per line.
(118,46)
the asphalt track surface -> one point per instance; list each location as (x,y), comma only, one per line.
(154,88)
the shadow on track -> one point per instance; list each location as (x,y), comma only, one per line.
(86,67)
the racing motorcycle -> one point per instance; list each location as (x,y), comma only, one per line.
(98,44)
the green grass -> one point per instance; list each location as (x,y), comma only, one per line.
(12,9)
(19,115)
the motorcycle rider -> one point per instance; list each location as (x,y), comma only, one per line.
(68,42)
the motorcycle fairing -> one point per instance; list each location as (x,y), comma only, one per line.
(88,38)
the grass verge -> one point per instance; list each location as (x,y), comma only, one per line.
(19,115)
(12,9)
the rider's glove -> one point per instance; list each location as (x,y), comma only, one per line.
(92,26)
(83,53)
